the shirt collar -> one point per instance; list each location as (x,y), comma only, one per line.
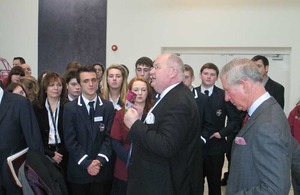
(48,106)
(70,97)
(258,102)
(265,82)
(167,90)
(86,101)
(210,89)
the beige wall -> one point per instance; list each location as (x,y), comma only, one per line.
(143,27)
(19,31)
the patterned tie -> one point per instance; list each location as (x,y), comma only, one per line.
(92,111)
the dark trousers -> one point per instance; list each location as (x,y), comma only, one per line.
(296,183)
(119,187)
(212,170)
(94,188)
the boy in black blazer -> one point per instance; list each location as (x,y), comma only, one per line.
(87,127)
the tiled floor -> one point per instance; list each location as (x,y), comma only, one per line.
(224,187)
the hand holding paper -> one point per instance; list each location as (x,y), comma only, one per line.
(130,98)
(130,117)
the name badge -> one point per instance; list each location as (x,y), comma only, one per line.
(98,119)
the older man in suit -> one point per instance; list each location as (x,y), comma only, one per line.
(18,130)
(165,158)
(87,122)
(263,150)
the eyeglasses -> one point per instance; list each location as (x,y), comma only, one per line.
(156,67)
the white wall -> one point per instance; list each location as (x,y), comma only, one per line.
(19,31)
(143,27)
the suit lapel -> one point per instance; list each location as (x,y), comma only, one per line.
(4,106)
(214,97)
(98,113)
(195,93)
(260,109)
(168,95)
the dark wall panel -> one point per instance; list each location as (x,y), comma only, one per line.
(71,30)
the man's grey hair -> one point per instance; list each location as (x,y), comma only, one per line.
(241,68)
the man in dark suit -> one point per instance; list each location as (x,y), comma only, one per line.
(215,128)
(166,151)
(264,150)
(87,122)
(18,130)
(275,89)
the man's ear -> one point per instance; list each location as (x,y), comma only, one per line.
(173,72)
(267,68)
(244,84)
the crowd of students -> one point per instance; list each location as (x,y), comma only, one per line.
(51,92)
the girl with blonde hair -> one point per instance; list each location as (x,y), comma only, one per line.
(115,85)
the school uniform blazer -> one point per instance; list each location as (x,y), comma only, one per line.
(215,113)
(165,157)
(85,142)
(43,121)
(262,153)
(276,90)
(201,100)
(18,130)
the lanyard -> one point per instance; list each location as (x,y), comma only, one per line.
(53,120)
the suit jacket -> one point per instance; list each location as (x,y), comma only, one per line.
(262,154)
(215,112)
(201,101)
(43,176)
(18,130)
(166,158)
(276,90)
(43,121)
(86,142)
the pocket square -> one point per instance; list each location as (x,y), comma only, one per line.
(240,141)
(150,119)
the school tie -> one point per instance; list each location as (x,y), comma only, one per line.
(92,111)
(206,92)
(245,119)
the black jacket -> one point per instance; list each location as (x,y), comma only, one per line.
(44,176)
